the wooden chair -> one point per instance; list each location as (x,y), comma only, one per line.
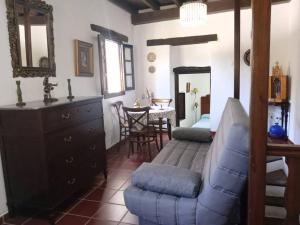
(162,125)
(123,122)
(140,131)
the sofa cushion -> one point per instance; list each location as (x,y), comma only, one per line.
(160,208)
(192,134)
(166,179)
(183,154)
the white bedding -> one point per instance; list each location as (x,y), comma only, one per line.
(204,122)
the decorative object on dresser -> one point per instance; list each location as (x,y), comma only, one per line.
(278,85)
(30,27)
(50,151)
(70,96)
(20,102)
(84,59)
(48,87)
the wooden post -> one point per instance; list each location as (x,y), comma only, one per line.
(292,195)
(260,60)
(237,47)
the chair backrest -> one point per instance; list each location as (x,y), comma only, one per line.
(120,112)
(137,117)
(160,101)
(226,167)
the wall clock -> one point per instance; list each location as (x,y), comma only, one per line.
(151,57)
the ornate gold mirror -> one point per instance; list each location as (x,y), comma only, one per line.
(30,27)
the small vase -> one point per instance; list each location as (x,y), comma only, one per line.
(276,131)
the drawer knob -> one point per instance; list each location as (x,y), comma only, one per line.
(66,116)
(70,160)
(72,181)
(93,147)
(68,139)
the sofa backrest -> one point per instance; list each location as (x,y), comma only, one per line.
(226,166)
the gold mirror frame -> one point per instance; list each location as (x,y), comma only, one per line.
(12,24)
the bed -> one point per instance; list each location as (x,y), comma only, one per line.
(204,121)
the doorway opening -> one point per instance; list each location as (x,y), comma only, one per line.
(192,96)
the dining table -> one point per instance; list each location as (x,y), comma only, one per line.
(160,113)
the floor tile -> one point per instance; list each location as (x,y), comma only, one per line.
(125,185)
(100,194)
(18,220)
(118,198)
(131,219)
(114,182)
(72,220)
(37,222)
(67,205)
(85,208)
(101,222)
(111,212)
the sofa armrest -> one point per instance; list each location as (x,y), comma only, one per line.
(166,179)
(192,134)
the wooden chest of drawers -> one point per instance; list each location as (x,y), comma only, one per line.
(51,151)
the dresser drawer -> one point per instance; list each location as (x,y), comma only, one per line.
(63,142)
(69,116)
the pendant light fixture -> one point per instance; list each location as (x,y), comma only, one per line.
(193,13)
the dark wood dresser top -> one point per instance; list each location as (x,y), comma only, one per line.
(37,105)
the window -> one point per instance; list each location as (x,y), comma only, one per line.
(111,67)
(128,67)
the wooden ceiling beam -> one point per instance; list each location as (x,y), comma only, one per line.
(124,5)
(190,40)
(173,13)
(178,2)
(152,4)
(109,34)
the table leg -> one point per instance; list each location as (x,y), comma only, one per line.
(161,133)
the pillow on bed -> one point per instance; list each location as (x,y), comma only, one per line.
(192,134)
(205,116)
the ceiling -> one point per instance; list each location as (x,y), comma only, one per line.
(149,11)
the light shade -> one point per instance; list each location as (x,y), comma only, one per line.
(193,13)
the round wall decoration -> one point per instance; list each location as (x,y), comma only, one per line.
(151,57)
(247,57)
(152,69)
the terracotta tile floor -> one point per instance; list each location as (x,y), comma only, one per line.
(103,203)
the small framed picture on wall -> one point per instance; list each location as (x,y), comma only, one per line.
(84,59)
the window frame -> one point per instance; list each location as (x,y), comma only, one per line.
(130,47)
(103,72)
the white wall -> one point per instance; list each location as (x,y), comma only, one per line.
(200,81)
(72,19)
(295,70)
(219,54)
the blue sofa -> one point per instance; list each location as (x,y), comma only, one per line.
(195,182)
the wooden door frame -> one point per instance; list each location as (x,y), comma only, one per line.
(186,70)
